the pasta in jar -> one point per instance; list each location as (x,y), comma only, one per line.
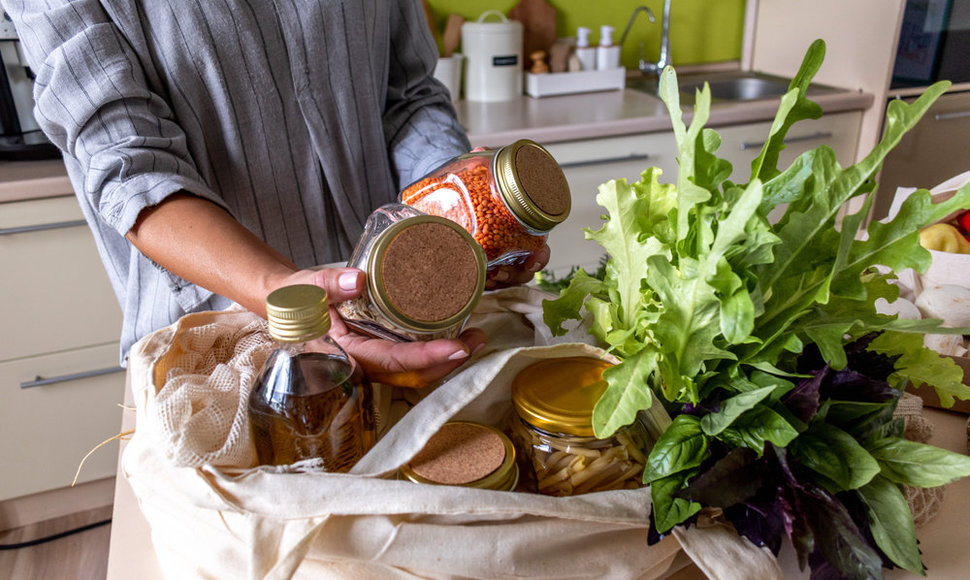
(552,430)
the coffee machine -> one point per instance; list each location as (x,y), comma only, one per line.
(20,137)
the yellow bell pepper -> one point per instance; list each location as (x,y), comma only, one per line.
(944,238)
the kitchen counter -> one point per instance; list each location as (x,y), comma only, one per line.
(611,113)
(22,180)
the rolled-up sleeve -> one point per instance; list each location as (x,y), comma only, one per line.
(419,119)
(93,102)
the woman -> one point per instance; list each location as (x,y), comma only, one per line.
(220,149)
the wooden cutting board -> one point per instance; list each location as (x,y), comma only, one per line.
(538,20)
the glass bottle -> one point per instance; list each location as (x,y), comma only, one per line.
(311,399)
(425,275)
(507,198)
(552,428)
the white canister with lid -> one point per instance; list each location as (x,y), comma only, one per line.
(493,52)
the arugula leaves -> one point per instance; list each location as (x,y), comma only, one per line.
(766,339)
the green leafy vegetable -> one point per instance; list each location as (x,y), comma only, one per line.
(764,340)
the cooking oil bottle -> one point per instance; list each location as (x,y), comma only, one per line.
(311,399)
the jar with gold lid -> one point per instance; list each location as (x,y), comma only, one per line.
(507,198)
(425,275)
(552,428)
(467,454)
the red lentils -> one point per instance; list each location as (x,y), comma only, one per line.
(508,198)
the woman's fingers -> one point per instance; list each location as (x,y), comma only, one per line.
(340,283)
(407,364)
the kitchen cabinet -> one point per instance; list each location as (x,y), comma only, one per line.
(60,383)
(929,154)
(588,163)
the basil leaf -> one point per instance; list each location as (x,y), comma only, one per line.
(733,479)
(836,455)
(891,523)
(918,464)
(731,409)
(668,511)
(682,446)
(758,426)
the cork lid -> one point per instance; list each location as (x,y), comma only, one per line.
(532,184)
(464,453)
(427,273)
(558,395)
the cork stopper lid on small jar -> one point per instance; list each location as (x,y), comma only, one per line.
(532,184)
(467,454)
(426,273)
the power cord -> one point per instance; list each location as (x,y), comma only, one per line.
(53,537)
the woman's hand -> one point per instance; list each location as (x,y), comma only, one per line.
(504,276)
(404,364)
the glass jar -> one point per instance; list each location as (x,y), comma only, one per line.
(425,275)
(508,198)
(466,454)
(552,429)
(311,400)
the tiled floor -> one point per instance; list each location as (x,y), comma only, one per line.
(80,556)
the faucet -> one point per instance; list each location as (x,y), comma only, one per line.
(653,68)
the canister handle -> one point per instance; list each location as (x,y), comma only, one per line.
(492,13)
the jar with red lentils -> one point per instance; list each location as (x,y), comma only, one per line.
(507,198)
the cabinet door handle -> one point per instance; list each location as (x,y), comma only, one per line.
(953,115)
(631,157)
(41,381)
(41,227)
(759,144)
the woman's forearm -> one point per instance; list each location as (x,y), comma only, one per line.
(201,243)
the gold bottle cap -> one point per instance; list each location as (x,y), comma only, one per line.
(532,184)
(467,454)
(298,313)
(426,273)
(558,395)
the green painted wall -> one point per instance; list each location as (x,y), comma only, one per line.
(701,31)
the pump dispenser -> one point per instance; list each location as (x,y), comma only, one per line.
(607,53)
(584,52)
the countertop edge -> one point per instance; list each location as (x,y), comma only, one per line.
(722,114)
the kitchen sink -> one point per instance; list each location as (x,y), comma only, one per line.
(727,86)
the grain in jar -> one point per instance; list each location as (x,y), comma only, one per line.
(507,198)
(466,454)
(425,275)
(552,429)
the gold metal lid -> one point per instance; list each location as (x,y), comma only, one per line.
(449,458)
(532,184)
(298,313)
(426,273)
(558,395)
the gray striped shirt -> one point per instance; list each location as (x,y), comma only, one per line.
(297,116)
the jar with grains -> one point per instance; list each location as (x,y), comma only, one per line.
(425,275)
(466,454)
(552,429)
(508,198)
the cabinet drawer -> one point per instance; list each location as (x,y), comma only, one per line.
(741,144)
(49,428)
(56,294)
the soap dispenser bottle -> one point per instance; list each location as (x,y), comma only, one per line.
(607,53)
(584,52)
